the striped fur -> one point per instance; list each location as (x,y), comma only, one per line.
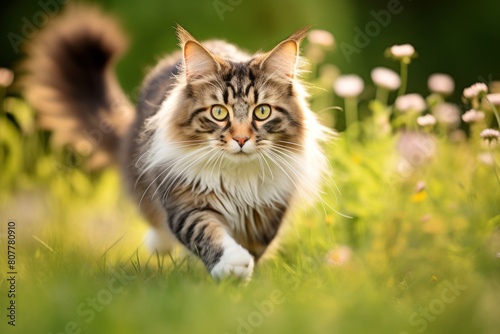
(221,187)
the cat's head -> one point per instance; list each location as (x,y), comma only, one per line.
(240,104)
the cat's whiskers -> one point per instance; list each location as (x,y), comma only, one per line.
(267,164)
(191,143)
(218,156)
(149,186)
(221,160)
(181,173)
(185,166)
(312,187)
(285,147)
(147,168)
(324,176)
(168,166)
(261,166)
(308,184)
(290,143)
(166,169)
(275,155)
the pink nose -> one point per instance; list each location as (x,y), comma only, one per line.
(241,140)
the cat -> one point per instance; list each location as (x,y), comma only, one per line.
(221,146)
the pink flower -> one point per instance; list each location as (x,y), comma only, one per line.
(411,102)
(447,113)
(339,256)
(441,83)
(321,37)
(348,85)
(386,78)
(473,116)
(416,148)
(404,50)
(426,120)
(475,89)
(490,135)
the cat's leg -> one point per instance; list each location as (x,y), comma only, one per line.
(159,238)
(202,231)
(263,229)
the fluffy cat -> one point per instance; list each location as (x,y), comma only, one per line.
(220,146)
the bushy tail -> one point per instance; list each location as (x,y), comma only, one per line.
(70,81)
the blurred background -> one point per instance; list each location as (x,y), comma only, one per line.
(456,37)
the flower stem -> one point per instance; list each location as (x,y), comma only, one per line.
(351,111)
(404,78)
(495,111)
(382,95)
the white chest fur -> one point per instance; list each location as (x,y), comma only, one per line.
(239,185)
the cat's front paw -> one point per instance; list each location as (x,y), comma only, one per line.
(235,262)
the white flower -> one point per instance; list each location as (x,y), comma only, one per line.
(447,113)
(494,98)
(400,51)
(411,102)
(416,148)
(473,116)
(474,90)
(441,83)
(386,78)
(339,256)
(348,85)
(321,37)
(426,120)
(6,77)
(490,134)
(486,158)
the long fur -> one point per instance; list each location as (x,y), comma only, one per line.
(222,187)
(70,80)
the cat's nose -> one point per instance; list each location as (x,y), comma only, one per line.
(241,140)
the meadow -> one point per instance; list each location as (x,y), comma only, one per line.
(406,239)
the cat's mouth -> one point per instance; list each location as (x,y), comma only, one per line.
(242,151)
(242,156)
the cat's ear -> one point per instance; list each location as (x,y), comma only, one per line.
(198,61)
(284,57)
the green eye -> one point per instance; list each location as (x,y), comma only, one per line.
(262,112)
(219,112)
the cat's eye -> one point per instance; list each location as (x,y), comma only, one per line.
(262,112)
(219,112)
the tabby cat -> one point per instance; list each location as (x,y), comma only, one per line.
(222,144)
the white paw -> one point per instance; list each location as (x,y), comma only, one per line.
(235,261)
(160,240)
